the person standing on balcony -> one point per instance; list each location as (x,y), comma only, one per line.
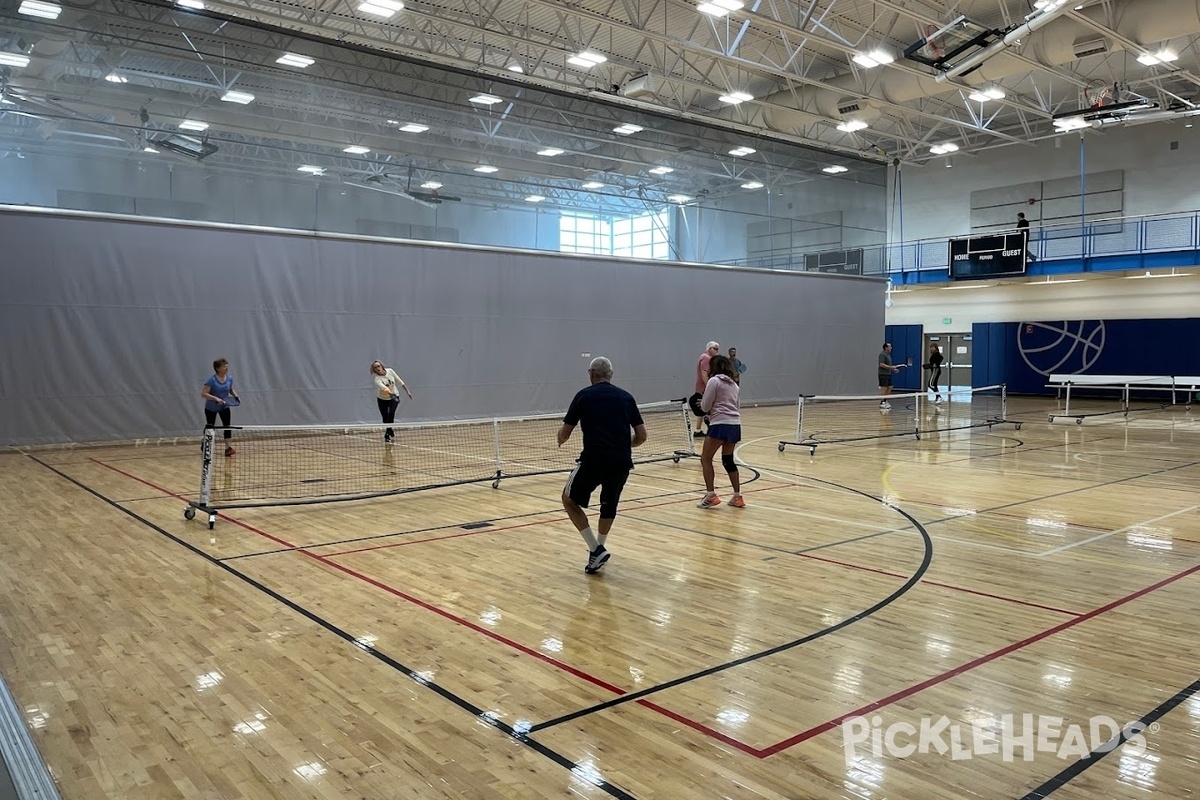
(1023,228)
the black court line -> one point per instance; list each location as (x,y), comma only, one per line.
(448,526)
(480,715)
(1091,759)
(913,580)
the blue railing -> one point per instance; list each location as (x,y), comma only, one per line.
(1158,240)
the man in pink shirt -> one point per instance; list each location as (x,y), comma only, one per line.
(702,381)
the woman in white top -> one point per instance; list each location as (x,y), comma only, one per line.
(721,402)
(387,393)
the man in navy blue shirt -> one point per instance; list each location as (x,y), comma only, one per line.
(607,414)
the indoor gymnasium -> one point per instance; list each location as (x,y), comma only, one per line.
(658,400)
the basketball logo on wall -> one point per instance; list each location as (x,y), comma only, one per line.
(1061,347)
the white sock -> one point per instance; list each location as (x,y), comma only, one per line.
(602,538)
(590,538)
(737,494)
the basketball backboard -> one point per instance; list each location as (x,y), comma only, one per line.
(942,47)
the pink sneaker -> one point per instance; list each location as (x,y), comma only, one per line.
(738,502)
(710,502)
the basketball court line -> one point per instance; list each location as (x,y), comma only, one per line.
(486,718)
(874,706)
(1091,759)
(622,695)
(1106,535)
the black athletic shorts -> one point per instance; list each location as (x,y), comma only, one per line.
(609,476)
(694,402)
(885,380)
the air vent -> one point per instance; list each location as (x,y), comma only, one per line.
(641,86)
(1091,47)
(848,107)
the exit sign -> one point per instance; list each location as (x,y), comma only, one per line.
(946,320)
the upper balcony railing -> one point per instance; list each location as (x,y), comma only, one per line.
(1121,243)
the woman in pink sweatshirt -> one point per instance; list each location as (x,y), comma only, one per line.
(721,403)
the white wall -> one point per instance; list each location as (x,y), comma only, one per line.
(1090,298)
(936,202)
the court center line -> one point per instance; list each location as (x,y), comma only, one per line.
(1127,528)
(970,665)
(490,720)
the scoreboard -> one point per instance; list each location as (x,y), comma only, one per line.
(838,262)
(988,256)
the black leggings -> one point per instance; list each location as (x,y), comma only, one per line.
(935,377)
(387,410)
(210,420)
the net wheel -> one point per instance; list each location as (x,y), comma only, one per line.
(1079,420)
(781,446)
(496,483)
(1019,424)
(189,513)
(1050,418)
(812,451)
(675,458)
(212,521)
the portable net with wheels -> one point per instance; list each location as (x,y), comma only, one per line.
(300,464)
(1082,397)
(822,420)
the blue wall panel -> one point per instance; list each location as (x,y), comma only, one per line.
(906,346)
(1024,354)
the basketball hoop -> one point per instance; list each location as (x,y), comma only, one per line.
(1097,94)
(934,42)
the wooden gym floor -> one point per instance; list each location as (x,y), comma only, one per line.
(379,649)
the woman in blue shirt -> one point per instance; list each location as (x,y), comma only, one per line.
(216,393)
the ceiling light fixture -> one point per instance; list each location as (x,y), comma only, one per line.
(241,98)
(195,5)
(742,151)
(114,77)
(752,185)
(13,60)
(35,8)
(414,127)
(852,125)
(983,95)
(381,8)
(484,168)
(356,150)
(534,198)
(550,152)
(485,99)
(875,58)
(1163,56)
(719,8)
(1071,124)
(678,198)
(627,129)
(587,59)
(431,185)
(943,148)
(661,170)
(517,68)
(593,185)
(149,149)
(835,169)
(193,125)
(735,98)
(295,60)
(311,170)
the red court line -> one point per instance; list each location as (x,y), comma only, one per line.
(943,585)
(715,734)
(970,665)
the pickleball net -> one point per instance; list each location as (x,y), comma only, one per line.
(834,419)
(302,464)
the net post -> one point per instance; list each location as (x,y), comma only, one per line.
(1004,402)
(206,468)
(686,421)
(1067,407)
(496,445)
(918,400)
(800,419)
